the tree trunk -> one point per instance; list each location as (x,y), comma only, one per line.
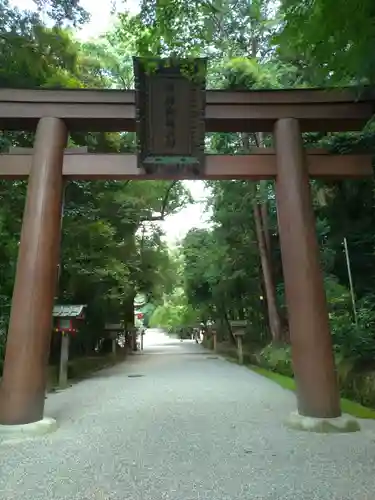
(129,311)
(264,245)
(241,314)
(262,217)
(227,322)
(263,313)
(273,314)
(266,231)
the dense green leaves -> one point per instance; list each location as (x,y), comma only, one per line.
(221,266)
(112,246)
(339,46)
(251,45)
(64,12)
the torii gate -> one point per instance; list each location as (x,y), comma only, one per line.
(286,113)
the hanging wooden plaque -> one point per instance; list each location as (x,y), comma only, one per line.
(170,105)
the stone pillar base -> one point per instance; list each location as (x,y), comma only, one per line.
(345,423)
(9,433)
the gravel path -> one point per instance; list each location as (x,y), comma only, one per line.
(190,428)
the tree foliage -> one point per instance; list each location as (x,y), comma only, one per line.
(251,45)
(112,244)
(340,47)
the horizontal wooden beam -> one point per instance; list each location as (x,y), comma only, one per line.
(257,96)
(253,167)
(29,151)
(247,111)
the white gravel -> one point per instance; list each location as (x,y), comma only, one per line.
(191,428)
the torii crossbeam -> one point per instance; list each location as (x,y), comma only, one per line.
(261,164)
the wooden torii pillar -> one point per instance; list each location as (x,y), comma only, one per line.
(313,362)
(24,376)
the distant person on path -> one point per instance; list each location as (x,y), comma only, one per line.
(181,334)
(196,335)
(201,332)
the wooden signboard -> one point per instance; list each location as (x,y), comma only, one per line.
(170,106)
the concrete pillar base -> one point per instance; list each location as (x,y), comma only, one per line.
(342,424)
(11,433)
